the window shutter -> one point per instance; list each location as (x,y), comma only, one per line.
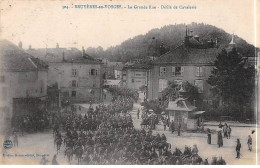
(89,71)
(160,85)
(201,71)
(197,71)
(96,72)
(173,71)
(182,71)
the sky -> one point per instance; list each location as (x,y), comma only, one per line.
(44,23)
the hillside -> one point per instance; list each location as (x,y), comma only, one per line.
(171,36)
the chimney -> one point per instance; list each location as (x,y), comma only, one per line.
(30,47)
(191,33)
(186,39)
(20,45)
(57,45)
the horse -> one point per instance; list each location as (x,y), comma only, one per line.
(163,146)
(69,153)
(78,153)
(58,143)
(55,129)
(145,123)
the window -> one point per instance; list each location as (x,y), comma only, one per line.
(199,85)
(74,72)
(162,71)
(163,83)
(73,93)
(93,72)
(2,79)
(74,83)
(133,80)
(177,71)
(199,71)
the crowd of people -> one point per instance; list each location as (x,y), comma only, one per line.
(106,135)
(34,122)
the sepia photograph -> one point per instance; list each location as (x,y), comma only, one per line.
(129,82)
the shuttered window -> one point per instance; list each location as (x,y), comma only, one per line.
(177,71)
(199,71)
(162,71)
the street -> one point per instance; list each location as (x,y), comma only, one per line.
(38,144)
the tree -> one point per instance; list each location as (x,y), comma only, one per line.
(191,93)
(232,84)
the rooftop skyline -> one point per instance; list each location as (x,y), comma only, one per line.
(43,24)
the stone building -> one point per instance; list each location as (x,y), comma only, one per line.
(23,83)
(136,75)
(78,75)
(191,61)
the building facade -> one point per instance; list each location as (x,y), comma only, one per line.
(190,62)
(23,82)
(135,76)
(79,76)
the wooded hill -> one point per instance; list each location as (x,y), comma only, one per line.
(171,36)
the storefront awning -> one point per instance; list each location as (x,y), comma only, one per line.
(198,112)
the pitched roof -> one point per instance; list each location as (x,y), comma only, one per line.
(138,66)
(180,104)
(184,55)
(56,55)
(13,58)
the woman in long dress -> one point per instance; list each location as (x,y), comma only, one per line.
(220,139)
(209,136)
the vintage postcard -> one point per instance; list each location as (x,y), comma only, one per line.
(129,82)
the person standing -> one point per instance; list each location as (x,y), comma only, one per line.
(15,139)
(179,129)
(138,112)
(164,124)
(220,139)
(225,130)
(238,147)
(172,127)
(249,143)
(209,137)
(44,161)
(54,161)
(229,131)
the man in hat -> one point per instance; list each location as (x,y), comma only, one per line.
(172,126)
(249,143)
(179,129)
(238,147)
(220,139)
(209,136)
